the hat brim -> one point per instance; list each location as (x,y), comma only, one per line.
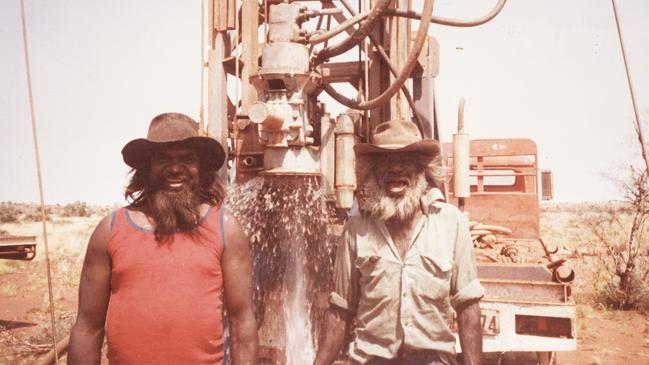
(137,152)
(427,146)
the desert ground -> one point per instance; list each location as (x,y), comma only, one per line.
(605,335)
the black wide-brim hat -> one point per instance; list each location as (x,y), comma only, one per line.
(173,130)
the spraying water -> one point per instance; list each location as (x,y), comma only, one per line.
(286,223)
(299,340)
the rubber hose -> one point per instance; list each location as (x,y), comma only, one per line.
(447,21)
(422,34)
(366,27)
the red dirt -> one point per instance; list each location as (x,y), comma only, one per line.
(610,337)
(604,337)
(24,312)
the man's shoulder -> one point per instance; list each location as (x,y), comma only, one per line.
(447,211)
(110,218)
(356,223)
(445,207)
(436,203)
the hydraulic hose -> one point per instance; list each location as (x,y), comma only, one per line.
(448,21)
(366,27)
(411,15)
(422,34)
(319,38)
(404,89)
(349,102)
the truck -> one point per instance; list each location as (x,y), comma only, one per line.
(528,307)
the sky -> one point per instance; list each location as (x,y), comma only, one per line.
(548,70)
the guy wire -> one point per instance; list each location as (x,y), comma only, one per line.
(40,179)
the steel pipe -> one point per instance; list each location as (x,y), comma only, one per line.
(345,178)
(461,158)
(59,350)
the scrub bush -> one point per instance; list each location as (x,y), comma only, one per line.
(76,209)
(9,212)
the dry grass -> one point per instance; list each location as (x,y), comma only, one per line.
(66,237)
(24,347)
(67,240)
(573,226)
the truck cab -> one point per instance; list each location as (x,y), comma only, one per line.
(504,184)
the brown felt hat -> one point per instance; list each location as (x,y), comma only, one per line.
(398,136)
(173,129)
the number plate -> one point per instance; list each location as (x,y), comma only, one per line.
(490,322)
(488,319)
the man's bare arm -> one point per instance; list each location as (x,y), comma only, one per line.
(336,325)
(237,281)
(470,331)
(87,334)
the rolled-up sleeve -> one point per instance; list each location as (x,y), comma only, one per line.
(464,281)
(345,294)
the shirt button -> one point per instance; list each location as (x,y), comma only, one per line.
(403,295)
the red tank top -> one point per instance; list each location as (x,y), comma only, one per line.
(166,302)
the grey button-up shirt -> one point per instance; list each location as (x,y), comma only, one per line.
(405,302)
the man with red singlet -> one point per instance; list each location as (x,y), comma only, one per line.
(159,273)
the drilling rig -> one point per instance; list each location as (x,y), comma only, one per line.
(270,65)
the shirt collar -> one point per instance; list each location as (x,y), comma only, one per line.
(431,196)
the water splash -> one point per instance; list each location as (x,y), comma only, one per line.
(299,348)
(286,223)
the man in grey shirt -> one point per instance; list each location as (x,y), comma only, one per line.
(404,263)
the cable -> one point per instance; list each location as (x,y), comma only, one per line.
(319,38)
(426,20)
(405,14)
(448,21)
(362,5)
(366,27)
(422,34)
(201,121)
(628,77)
(352,103)
(40,179)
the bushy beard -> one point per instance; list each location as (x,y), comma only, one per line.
(174,210)
(384,207)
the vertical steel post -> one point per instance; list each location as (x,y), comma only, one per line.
(399,108)
(424,88)
(379,76)
(217,105)
(249,52)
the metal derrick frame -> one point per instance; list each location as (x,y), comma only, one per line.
(233,47)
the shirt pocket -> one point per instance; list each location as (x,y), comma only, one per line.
(375,282)
(434,277)
(368,265)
